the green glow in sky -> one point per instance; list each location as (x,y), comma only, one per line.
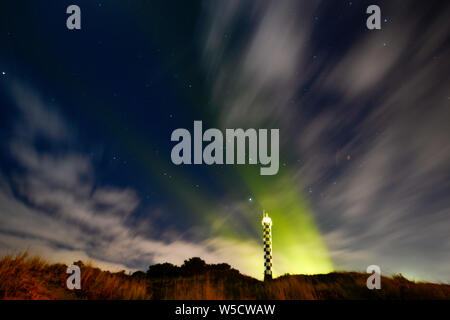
(297,243)
(298,247)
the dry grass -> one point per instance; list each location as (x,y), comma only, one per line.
(207,286)
(23,277)
(98,284)
(350,285)
(335,286)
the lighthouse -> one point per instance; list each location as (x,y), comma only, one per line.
(267,239)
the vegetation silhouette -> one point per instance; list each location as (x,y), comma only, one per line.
(191,267)
(24,277)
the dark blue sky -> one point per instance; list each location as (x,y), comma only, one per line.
(86,119)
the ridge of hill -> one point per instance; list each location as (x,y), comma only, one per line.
(23,277)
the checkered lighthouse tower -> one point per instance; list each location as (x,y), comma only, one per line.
(267,238)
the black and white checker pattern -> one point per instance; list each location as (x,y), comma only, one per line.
(267,239)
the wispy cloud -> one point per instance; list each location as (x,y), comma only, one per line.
(365,128)
(389,115)
(387,207)
(260,77)
(53,206)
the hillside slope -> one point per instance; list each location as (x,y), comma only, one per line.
(22,277)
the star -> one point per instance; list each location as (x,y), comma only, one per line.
(3,72)
(250,199)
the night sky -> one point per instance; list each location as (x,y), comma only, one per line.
(364,117)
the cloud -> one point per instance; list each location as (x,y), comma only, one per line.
(382,100)
(387,206)
(37,119)
(259,78)
(54,207)
(389,113)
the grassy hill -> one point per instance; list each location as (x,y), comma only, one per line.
(23,277)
